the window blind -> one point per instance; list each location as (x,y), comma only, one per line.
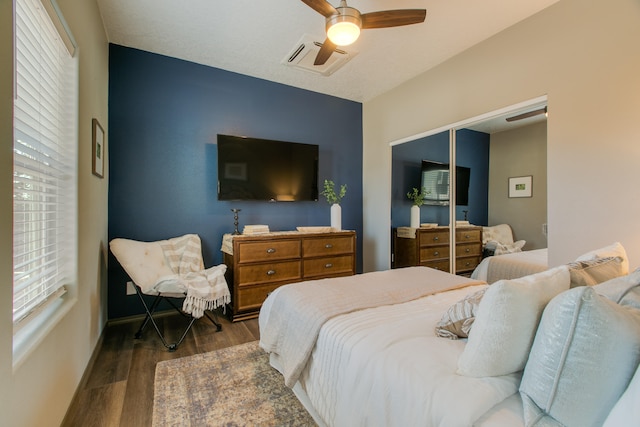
(44,162)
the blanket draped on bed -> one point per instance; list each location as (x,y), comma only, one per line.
(206,289)
(321,300)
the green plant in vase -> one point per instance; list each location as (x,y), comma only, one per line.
(417,196)
(334,199)
(330,192)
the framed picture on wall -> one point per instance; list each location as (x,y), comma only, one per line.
(98,149)
(520,186)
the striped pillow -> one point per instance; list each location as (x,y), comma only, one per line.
(457,321)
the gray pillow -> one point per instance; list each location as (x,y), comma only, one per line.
(624,290)
(584,355)
(594,271)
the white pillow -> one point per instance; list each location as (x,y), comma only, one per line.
(613,250)
(584,355)
(506,323)
(626,411)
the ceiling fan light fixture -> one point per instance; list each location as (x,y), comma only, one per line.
(343,33)
(344,29)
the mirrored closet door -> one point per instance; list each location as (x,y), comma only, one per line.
(459,197)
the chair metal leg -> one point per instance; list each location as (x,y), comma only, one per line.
(214,320)
(149,318)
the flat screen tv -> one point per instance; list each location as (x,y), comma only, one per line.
(435,180)
(267,170)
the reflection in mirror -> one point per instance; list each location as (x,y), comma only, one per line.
(426,161)
(489,152)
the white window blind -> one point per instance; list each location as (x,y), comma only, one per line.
(44,159)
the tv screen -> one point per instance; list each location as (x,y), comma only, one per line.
(262,169)
(435,180)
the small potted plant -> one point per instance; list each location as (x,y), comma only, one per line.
(333,198)
(417,197)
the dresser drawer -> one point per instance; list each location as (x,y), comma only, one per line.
(327,246)
(466,264)
(442,265)
(251,274)
(329,266)
(251,298)
(434,237)
(267,251)
(433,253)
(474,235)
(468,249)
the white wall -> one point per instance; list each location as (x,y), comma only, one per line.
(583,54)
(40,390)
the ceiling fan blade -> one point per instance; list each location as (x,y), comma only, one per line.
(527,114)
(393,18)
(322,7)
(325,52)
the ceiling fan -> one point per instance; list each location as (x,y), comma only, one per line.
(527,114)
(343,23)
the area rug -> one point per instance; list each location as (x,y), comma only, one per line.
(234,386)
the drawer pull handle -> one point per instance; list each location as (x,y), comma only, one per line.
(271,251)
(328,246)
(436,253)
(328,265)
(436,238)
(467,250)
(271,272)
(466,236)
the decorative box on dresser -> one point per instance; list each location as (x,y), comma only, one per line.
(258,264)
(430,247)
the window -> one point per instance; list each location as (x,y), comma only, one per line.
(44,159)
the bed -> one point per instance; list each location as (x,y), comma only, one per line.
(511,266)
(371,353)
(367,350)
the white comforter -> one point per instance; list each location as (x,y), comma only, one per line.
(300,309)
(384,366)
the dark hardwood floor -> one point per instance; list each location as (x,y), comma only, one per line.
(118,388)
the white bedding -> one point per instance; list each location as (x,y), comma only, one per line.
(384,366)
(511,266)
(314,302)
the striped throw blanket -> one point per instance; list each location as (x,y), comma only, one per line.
(206,289)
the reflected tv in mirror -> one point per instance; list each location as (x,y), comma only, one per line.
(435,181)
(266,170)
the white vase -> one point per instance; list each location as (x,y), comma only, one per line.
(415,216)
(336,217)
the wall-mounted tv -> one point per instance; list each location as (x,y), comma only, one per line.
(435,180)
(262,169)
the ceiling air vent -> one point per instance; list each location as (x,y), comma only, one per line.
(304,53)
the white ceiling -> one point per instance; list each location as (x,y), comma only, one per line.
(252,37)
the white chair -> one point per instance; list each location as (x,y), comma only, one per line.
(498,240)
(169,270)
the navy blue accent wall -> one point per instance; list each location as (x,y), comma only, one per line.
(164,118)
(472,151)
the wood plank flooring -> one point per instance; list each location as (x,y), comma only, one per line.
(118,389)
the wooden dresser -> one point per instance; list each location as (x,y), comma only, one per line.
(430,247)
(259,264)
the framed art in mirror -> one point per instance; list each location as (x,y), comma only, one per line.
(520,186)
